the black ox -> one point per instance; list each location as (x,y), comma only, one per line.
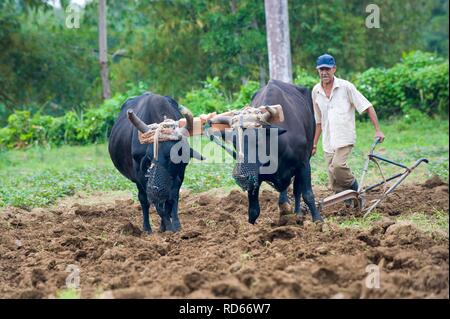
(295,141)
(137,162)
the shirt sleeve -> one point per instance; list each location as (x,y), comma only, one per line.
(358,100)
(317,113)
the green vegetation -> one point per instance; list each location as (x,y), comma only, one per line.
(417,85)
(414,88)
(68,293)
(174,46)
(438,220)
(405,142)
(357,223)
(210,55)
(435,221)
(90,126)
(38,176)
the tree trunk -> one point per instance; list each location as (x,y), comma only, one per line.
(233,5)
(260,58)
(278,42)
(103,49)
(262,75)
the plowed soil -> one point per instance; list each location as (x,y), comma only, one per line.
(218,254)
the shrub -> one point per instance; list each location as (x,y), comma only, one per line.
(245,94)
(414,88)
(304,78)
(209,98)
(92,125)
(419,82)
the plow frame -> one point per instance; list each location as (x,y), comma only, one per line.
(359,195)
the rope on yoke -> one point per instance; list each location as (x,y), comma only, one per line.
(168,130)
(156,143)
(249,117)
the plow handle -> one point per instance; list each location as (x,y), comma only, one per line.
(417,163)
(374,144)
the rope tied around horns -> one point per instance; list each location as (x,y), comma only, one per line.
(248,117)
(168,130)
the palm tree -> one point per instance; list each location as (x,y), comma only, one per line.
(278,42)
(103,48)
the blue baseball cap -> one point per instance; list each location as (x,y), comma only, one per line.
(325,61)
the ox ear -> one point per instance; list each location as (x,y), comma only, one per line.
(280,130)
(196,155)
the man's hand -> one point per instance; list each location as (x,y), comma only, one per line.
(373,117)
(380,135)
(316,138)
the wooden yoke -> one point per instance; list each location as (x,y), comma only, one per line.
(200,121)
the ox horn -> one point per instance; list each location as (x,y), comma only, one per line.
(189,119)
(137,122)
(270,112)
(221,119)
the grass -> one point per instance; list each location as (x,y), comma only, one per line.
(436,221)
(68,293)
(39,176)
(357,223)
(404,143)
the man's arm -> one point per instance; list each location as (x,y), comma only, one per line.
(316,137)
(374,119)
(318,119)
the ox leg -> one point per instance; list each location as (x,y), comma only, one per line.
(297,196)
(253,205)
(174,214)
(162,226)
(163,210)
(145,205)
(284,206)
(306,191)
(174,204)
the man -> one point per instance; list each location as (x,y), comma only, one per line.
(335,101)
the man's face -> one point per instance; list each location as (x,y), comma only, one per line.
(326,74)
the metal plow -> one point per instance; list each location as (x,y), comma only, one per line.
(359,196)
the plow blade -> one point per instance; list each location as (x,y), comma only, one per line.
(337,198)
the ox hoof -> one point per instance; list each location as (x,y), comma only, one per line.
(300,219)
(318,220)
(284,209)
(176,227)
(171,231)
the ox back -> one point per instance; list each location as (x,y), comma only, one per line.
(294,146)
(133,159)
(124,145)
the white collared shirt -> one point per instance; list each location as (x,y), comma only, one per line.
(337,113)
